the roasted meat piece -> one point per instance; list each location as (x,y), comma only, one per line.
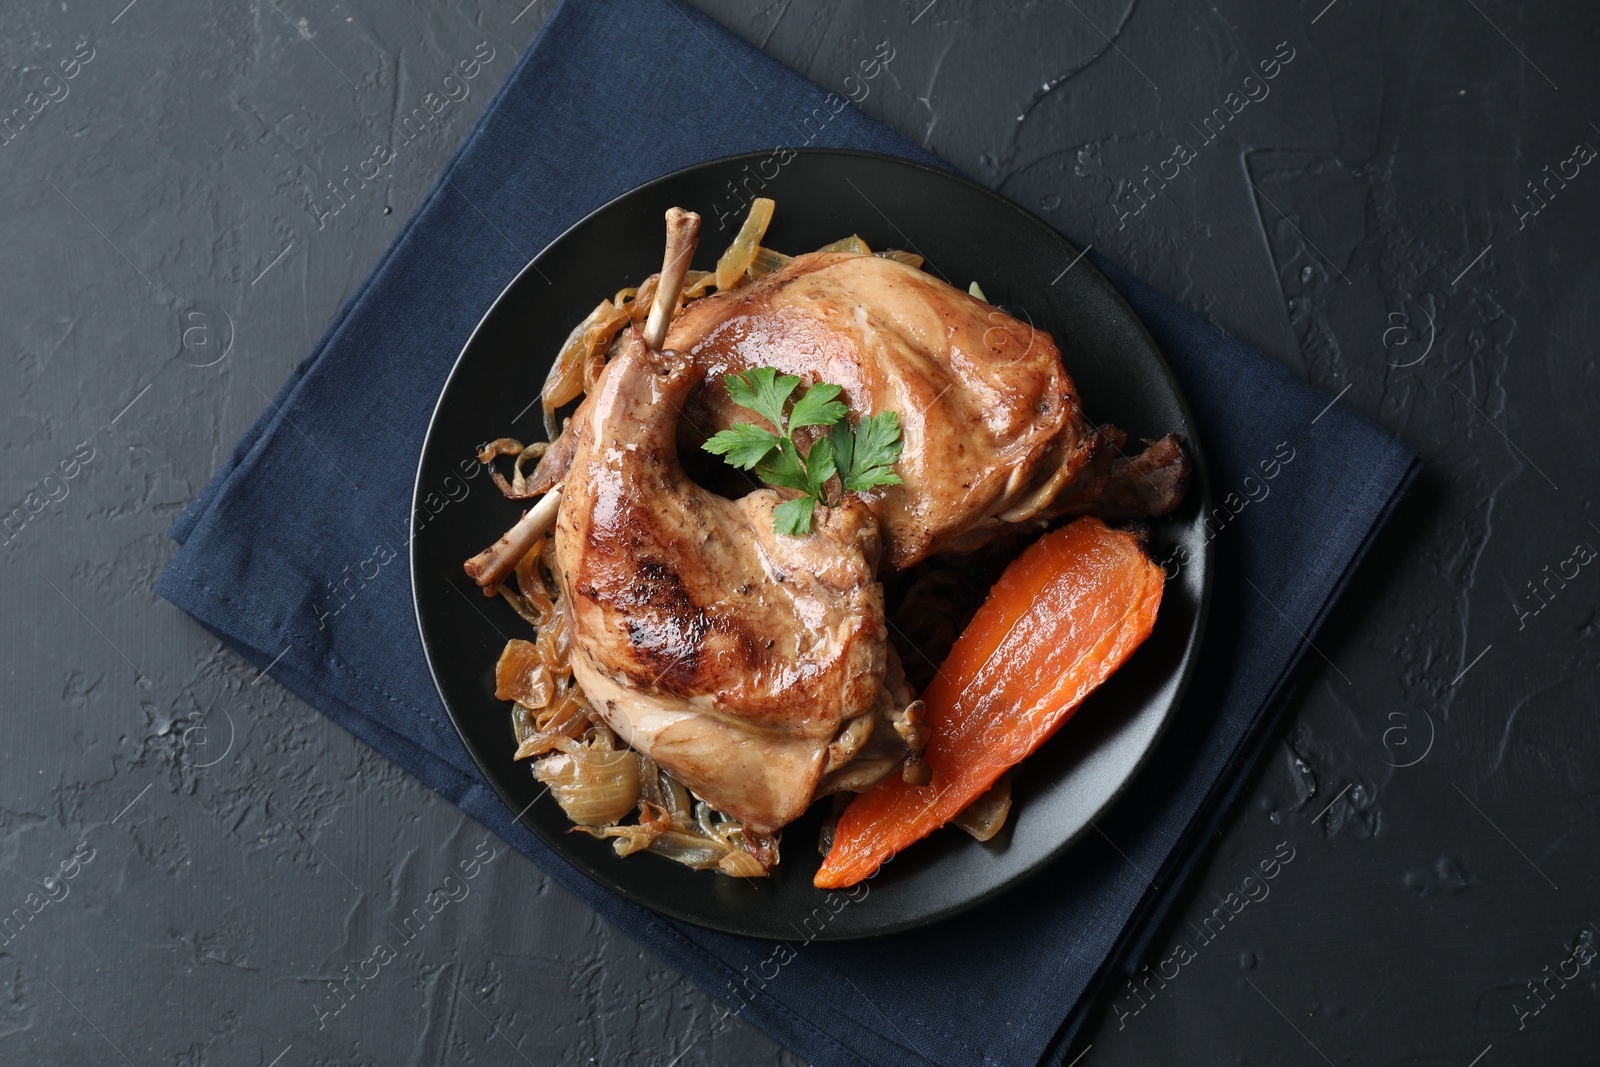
(751,665)
(730,654)
(995,437)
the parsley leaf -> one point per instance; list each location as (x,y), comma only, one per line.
(818,407)
(809,474)
(785,467)
(866,455)
(793,517)
(862,457)
(820,467)
(764,391)
(743,445)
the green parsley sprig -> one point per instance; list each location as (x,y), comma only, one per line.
(862,456)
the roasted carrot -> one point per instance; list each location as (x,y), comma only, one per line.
(1061,619)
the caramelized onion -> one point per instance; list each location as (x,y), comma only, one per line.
(984,817)
(517,488)
(689,832)
(737,864)
(522,675)
(639,307)
(500,446)
(587,341)
(697,283)
(595,786)
(910,259)
(735,262)
(766,261)
(853,243)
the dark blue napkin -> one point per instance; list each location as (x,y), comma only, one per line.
(608,97)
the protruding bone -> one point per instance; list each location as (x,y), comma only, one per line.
(494,564)
(683,233)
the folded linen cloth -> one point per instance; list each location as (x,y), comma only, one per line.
(608,97)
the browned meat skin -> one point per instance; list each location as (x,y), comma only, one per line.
(995,437)
(1148,484)
(986,408)
(730,654)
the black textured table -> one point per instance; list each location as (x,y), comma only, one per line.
(1399,202)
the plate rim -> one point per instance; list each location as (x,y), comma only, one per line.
(1199,478)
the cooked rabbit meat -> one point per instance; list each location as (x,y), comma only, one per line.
(987,410)
(730,654)
(995,436)
(752,666)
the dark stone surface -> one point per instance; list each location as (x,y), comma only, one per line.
(1365,222)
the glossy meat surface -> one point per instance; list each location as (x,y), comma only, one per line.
(996,442)
(988,413)
(730,654)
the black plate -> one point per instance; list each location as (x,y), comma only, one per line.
(962,228)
